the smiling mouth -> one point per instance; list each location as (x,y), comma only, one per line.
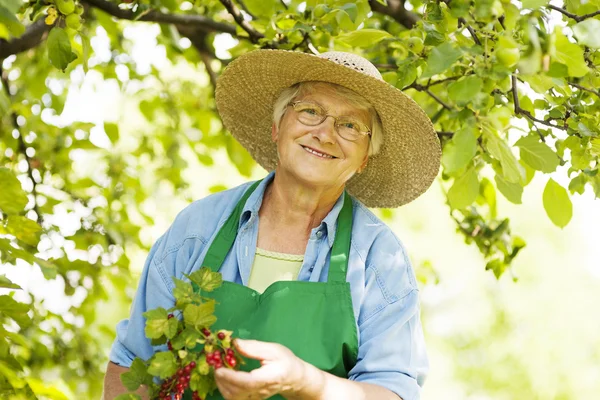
(318,154)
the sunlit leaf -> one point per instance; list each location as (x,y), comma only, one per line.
(557,204)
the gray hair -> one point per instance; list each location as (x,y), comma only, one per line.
(287,95)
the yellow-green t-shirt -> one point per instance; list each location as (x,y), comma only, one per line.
(269,267)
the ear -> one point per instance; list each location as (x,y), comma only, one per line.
(274,132)
(364,164)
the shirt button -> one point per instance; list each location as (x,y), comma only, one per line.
(319,234)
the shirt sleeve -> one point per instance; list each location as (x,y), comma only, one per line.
(152,292)
(391,349)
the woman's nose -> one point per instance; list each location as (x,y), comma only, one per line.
(325,131)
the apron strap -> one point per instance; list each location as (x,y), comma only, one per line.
(338,263)
(224,240)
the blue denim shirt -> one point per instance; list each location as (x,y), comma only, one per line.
(383,286)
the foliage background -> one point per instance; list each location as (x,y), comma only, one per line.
(108,152)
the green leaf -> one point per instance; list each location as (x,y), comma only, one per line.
(441,58)
(364,37)
(512,191)
(158,324)
(188,338)
(136,376)
(460,149)
(264,8)
(24,229)
(13,198)
(112,131)
(183,292)
(569,54)
(464,190)
(200,316)
(59,49)
(206,279)
(15,310)
(465,89)
(7,283)
(537,154)
(10,21)
(557,204)
(587,33)
(162,364)
(511,170)
(534,4)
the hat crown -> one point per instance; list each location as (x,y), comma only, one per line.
(354,62)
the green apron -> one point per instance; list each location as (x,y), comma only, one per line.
(313,319)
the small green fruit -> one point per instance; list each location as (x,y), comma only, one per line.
(320,10)
(79,9)
(66,7)
(508,57)
(415,44)
(73,21)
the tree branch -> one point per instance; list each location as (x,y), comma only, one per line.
(199,21)
(577,18)
(425,89)
(597,93)
(243,5)
(22,148)
(520,111)
(239,18)
(396,10)
(31,38)
(463,22)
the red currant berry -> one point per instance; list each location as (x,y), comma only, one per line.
(221,335)
(170,346)
(181,372)
(232,361)
(170,316)
(206,332)
(193,364)
(188,368)
(230,352)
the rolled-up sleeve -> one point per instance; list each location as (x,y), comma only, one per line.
(152,292)
(392,349)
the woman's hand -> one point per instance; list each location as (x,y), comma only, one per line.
(281,373)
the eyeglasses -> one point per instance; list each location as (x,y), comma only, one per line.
(312,114)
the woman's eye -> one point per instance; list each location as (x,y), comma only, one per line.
(310,111)
(350,125)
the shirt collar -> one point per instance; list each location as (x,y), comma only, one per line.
(254,202)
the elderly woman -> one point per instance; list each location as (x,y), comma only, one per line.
(320,289)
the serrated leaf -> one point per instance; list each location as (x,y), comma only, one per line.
(7,283)
(460,149)
(188,339)
(200,315)
(364,37)
(557,204)
(136,376)
(511,169)
(537,154)
(206,279)
(162,364)
(464,90)
(441,58)
(13,198)
(464,190)
(24,229)
(158,324)
(183,292)
(587,33)
(59,49)
(569,54)
(15,310)
(511,191)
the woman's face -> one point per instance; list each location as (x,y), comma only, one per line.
(296,142)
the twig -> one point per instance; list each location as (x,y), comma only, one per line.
(422,88)
(577,18)
(239,18)
(584,88)
(519,110)
(284,5)
(22,148)
(243,5)
(463,22)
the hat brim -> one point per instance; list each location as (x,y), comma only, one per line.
(409,159)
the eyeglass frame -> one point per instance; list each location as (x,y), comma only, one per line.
(335,119)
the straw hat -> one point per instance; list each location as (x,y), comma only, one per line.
(406,164)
